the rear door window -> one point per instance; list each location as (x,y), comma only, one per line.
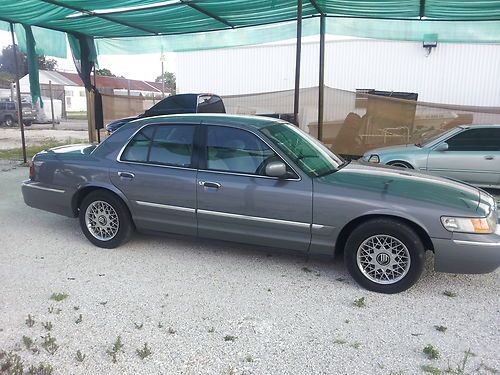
(482,139)
(170,145)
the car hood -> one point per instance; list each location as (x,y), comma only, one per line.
(404,183)
(390,149)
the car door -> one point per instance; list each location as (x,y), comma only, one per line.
(238,202)
(156,172)
(473,155)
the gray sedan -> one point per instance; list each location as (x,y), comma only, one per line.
(467,153)
(262,181)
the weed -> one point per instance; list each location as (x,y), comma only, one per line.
(355,345)
(431,370)
(248,358)
(160,325)
(347,321)
(58,297)
(450,294)
(42,369)
(229,338)
(441,328)
(211,330)
(116,349)
(103,303)
(51,310)
(47,325)
(431,352)
(79,320)
(79,356)
(28,342)
(11,363)
(360,302)
(171,330)
(138,326)
(30,322)
(460,369)
(144,352)
(306,269)
(76,308)
(49,344)
(340,341)
(483,366)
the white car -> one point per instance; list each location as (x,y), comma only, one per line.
(467,153)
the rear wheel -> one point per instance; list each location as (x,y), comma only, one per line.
(105,220)
(9,121)
(385,255)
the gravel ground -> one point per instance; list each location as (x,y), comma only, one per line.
(219,308)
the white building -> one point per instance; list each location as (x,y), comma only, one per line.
(453,73)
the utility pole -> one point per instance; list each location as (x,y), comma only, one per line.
(162,59)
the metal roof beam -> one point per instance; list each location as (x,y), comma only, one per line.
(422,9)
(102,16)
(206,13)
(316,6)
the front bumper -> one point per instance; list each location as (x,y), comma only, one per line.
(467,253)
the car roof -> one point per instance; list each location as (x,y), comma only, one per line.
(256,122)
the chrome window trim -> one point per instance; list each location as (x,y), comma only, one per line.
(36,186)
(166,206)
(254,218)
(250,174)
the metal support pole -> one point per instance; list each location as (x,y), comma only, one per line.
(321,85)
(18,90)
(162,59)
(52,104)
(95,85)
(297,63)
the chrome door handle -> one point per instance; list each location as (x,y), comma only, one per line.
(208,184)
(126,175)
(489,157)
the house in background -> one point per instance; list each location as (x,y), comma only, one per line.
(69,88)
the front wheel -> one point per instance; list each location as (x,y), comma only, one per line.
(105,220)
(385,255)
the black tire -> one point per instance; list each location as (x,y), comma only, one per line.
(125,226)
(9,121)
(27,123)
(400,164)
(390,230)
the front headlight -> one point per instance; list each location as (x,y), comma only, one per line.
(471,224)
(374,159)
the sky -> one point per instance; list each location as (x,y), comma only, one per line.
(144,67)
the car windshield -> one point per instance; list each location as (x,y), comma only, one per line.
(307,153)
(430,136)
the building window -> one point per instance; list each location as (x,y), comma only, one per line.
(68,93)
(68,102)
(82,93)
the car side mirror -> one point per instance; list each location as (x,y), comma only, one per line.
(442,147)
(276,169)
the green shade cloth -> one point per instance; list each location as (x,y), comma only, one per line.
(33,66)
(126,18)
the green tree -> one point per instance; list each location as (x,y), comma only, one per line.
(169,82)
(104,72)
(8,67)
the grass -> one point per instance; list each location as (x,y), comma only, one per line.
(116,349)
(144,352)
(42,369)
(229,338)
(28,342)
(340,341)
(47,325)
(431,370)
(58,297)
(76,115)
(360,302)
(17,153)
(79,320)
(431,352)
(138,325)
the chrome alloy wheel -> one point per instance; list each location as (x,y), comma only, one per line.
(102,220)
(383,259)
